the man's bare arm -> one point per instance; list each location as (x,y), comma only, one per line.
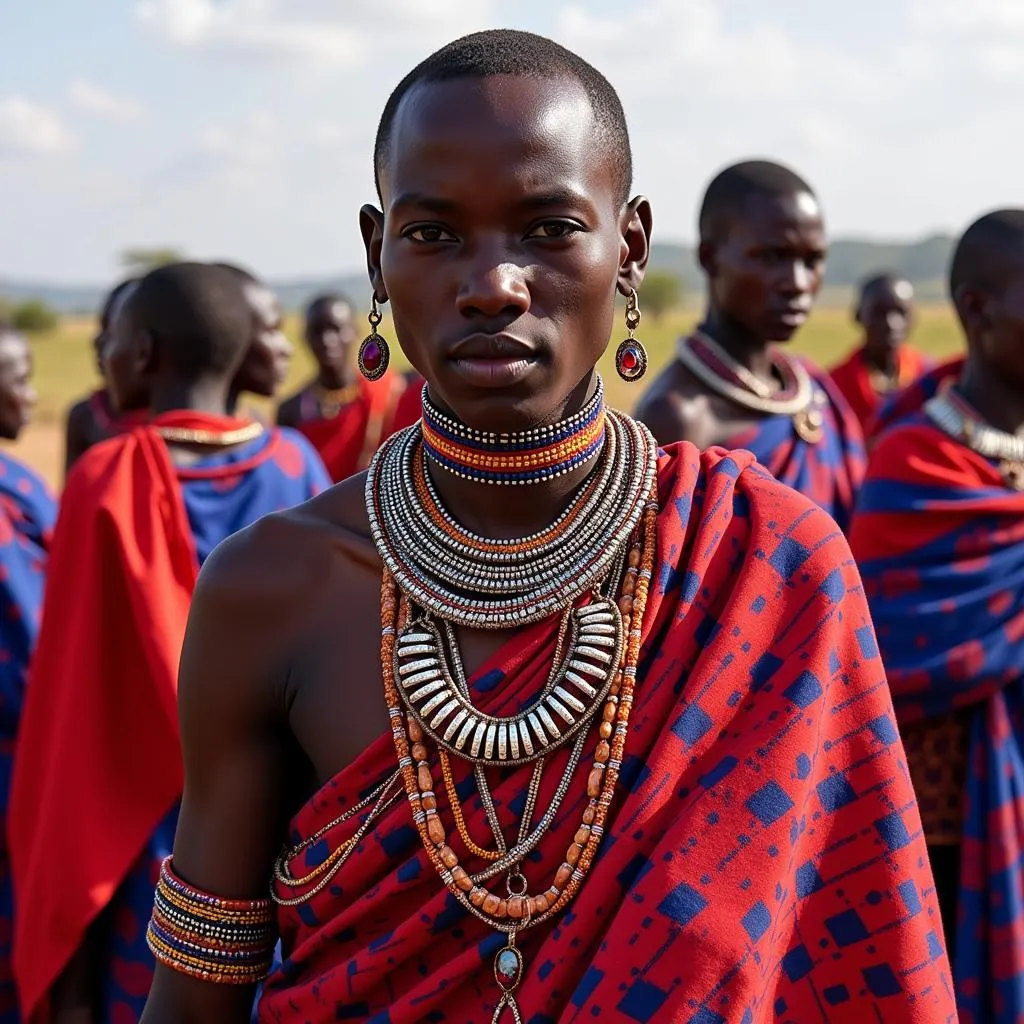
(231,707)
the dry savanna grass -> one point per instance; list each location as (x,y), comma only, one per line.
(64,366)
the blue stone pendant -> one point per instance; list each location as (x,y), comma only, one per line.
(508,972)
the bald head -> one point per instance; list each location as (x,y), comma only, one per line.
(989,255)
(196,316)
(730,192)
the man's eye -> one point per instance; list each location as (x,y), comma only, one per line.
(554,229)
(429,233)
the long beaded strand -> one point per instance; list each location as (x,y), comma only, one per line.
(520,910)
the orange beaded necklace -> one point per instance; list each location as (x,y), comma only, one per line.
(518,910)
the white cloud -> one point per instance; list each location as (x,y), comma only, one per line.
(323,32)
(30,128)
(90,98)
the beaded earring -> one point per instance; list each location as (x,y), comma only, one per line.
(631,356)
(374,354)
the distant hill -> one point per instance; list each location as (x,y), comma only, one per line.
(924,262)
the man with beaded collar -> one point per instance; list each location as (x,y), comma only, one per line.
(762,249)
(939,535)
(635,755)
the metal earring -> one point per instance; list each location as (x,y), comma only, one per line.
(374,353)
(631,356)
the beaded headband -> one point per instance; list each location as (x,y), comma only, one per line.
(527,457)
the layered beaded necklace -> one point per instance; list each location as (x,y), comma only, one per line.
(532,456)
(955,416)
(798,398)
(593,568)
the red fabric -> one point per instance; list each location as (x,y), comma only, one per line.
(853,380)
(98,761)
(410,405)
(347,442)
(763,859)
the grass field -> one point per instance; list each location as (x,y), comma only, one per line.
(64,366)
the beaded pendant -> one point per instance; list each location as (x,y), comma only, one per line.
(569,702)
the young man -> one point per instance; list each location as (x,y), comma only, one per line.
(98,768)
(763,249)
(884,363)
(343,415)
(93,419)
(649,764)
(939,535)
(268,359)
(27,514)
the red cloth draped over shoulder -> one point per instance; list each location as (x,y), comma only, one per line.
(763,859)
(347,442)
(98,761)
(854,381)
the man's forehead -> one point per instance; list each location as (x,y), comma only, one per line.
(507,110)
(761,212)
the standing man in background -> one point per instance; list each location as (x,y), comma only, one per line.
(762,248)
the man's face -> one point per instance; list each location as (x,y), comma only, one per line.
(17,395)
(269,356)
(501,245)
(768,268)
(331,334)
(886,312)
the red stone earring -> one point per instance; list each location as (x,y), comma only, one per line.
(374,354)
(631,356)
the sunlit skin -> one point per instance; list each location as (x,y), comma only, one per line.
(17,395)
(502,244)
(763,278)
(885,313)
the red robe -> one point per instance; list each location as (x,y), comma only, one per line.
(348,441)
(763,860)
(854,381)
(98,762)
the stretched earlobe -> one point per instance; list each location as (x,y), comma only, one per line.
(371,227)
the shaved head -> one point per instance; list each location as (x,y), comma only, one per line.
(989,255)
(726,197)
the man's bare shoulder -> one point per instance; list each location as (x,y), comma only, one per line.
(676,408)
(278,565)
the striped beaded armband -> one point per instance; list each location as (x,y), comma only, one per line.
(229,942)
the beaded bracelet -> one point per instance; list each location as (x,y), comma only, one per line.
(225,941)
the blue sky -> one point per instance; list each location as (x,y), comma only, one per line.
(243,128)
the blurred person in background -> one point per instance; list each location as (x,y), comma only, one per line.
(939,537)
(343,415)
(762,249)
(27,515)
(98,771)
(268,359)
(93,419)
(884,362)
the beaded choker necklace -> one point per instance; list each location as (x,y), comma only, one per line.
(955,416)
(527,457)
(593,566)
(798,398)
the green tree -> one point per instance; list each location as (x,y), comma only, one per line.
(661,291)
(6,309)
(34,315)
(138,261)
